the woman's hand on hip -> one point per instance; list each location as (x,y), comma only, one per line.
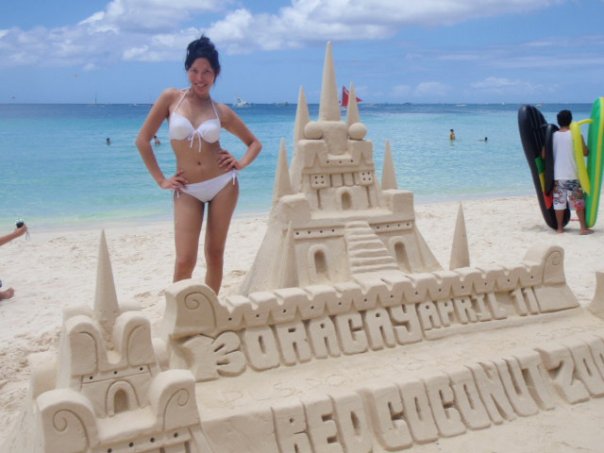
(176,182)
(227,161)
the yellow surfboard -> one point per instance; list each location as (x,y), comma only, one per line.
(575,130)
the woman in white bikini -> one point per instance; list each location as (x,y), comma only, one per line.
(207,174)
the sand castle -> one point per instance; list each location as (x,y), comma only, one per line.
(334,342)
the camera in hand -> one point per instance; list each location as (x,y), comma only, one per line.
(20,223)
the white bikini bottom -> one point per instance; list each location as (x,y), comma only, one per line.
(206,190)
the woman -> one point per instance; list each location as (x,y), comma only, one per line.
(207,174)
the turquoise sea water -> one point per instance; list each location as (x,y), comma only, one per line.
(58,171)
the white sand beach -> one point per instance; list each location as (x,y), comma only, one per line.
(57,269)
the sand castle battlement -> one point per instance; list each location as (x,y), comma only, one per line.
(336,340)
(291,326)
(192,309)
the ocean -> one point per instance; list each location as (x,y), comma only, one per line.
(58,171)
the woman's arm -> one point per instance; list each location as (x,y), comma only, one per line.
(232,123)
(159,112)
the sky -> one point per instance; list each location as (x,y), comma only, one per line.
(428,51)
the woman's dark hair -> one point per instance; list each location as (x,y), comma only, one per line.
(202,48)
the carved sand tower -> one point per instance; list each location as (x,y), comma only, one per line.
(347,337)
(331,221)
(109,389)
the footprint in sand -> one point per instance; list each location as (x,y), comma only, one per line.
(237,273)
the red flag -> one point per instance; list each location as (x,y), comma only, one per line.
(345,96)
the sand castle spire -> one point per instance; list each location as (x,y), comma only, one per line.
(106,307)
(329,109)
(388,173)
(283,185)
(302,116)
(460,254)
(353,115)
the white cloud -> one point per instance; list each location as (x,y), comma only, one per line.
(321,20)
(403,13)
(95,18)
(161,47)
(242,31)
(124,27)
(120,31)
(581,58)
(496,83)
(576,52)
(151,15)
(423,91)
(502,85)
(462,56)
(134,53)
(232,30)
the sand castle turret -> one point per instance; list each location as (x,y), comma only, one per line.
(109,388)
(460,253)
(329,109)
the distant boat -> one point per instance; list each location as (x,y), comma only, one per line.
(345,96)
(240,103)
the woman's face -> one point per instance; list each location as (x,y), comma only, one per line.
(202,76)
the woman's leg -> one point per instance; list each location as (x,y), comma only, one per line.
(220,211)
(188,217)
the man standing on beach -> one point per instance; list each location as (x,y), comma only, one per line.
(566,184)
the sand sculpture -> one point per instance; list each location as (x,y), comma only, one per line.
(332,345)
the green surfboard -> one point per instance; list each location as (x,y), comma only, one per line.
(595,161)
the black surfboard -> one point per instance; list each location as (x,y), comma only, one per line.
(532,127)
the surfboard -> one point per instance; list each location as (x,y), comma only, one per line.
(549,164)
(595,161)
(532,127)
(582,175)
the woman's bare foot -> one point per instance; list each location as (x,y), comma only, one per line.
(586,231)
(7,294)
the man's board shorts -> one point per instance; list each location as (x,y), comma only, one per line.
(568,190)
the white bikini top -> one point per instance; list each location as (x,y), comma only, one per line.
(180,127)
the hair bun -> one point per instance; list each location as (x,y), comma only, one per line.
(202,48)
